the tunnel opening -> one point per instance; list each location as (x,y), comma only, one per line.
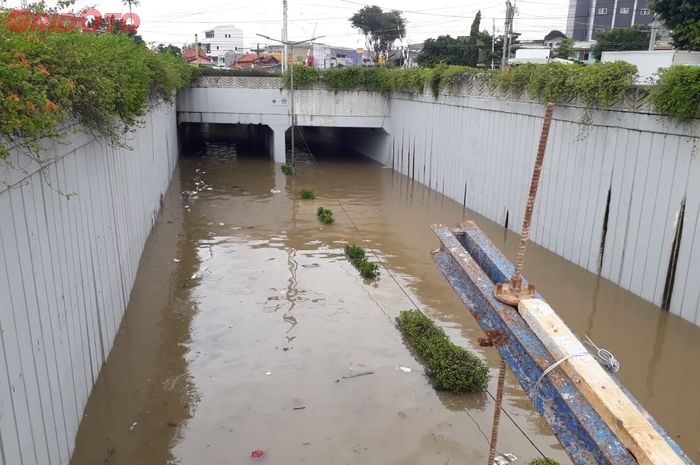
(337,144)
(233,140)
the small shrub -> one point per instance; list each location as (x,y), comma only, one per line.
(354,252)
(678,92)
(287,170)
(452,368)
(307,194)
(543,461)
(367,269)
(358,258)
(325,215)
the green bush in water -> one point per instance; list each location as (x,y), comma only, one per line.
(354,252)
(543,461)
(452,368)
(325,216)
(367,269)
(358,258)
(307,194)
(287,170)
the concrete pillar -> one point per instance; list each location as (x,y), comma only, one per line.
(279,148)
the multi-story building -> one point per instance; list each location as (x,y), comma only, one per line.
(587,17)
(221,40)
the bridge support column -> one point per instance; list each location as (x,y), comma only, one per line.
(278,145)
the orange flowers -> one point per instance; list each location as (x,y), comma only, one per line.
(30,106)
(42,70)
(13,98)
(50,106)
(70,85)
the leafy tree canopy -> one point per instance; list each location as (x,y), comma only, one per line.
(444,49)
(169,48)
(632,38)
(564,49)
(381,28)
(683,18)
(555,34)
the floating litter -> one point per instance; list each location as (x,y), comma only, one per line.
(405,369)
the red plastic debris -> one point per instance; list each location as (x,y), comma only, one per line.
(256,454)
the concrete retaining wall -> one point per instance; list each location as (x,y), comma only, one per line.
(611,195)
(68,266)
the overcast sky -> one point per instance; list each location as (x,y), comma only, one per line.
(176,21)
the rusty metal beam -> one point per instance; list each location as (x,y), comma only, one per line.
(474,266)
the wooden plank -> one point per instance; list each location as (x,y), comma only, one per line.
(631,426)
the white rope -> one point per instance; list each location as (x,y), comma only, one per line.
(552,367)
(605,357)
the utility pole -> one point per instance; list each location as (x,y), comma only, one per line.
(510,12)
(285,51)
(654,30)
(493,42)
(291,82)
(196,48)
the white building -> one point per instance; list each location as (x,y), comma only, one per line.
(221,40)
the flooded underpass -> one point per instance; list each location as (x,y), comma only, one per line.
(247,328)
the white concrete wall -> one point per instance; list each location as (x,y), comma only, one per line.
(480,152)
(67,269)
(272,107)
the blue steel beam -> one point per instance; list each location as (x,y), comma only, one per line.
(473,266)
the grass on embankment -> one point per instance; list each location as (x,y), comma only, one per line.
(325,215)
(358,257)
(452,368)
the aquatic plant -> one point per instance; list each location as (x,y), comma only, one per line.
(452,368)
(354,252)
(543,461)
(325,215)
(307,194)
(358,258)
(287,170)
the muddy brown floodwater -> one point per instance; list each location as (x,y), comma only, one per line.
(246,317)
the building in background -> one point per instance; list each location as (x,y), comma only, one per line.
(217,42)
(587,17)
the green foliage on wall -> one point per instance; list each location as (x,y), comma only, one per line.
(452,368)
(599,85)
(105,83)
(678,92)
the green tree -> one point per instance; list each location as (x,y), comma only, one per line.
(683,18)
(554,34)
(633,38)
(444,49)
(380,28)
(473,41)
(564,49)
(131,3)
(170,48)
